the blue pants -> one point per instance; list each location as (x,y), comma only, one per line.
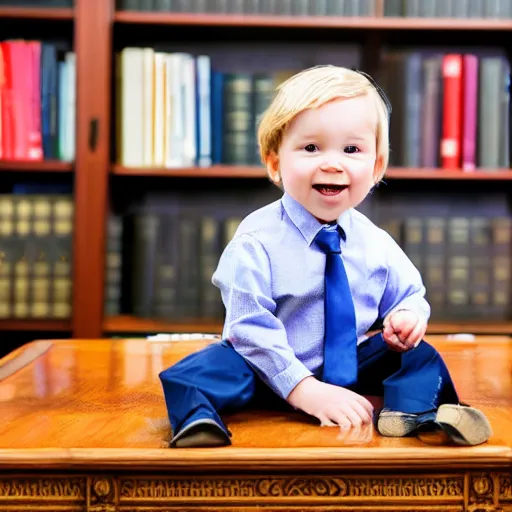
(218,380)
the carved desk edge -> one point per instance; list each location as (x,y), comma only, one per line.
(233,458)
(482,491)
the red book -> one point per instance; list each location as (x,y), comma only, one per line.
(452,112)
(7,107)
(19,98)
(34,136)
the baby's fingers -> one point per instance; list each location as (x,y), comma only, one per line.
(394,343)
(338,417)
(362,412)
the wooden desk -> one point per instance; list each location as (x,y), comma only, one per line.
(84,428)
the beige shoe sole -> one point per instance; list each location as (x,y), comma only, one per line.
(200,434)
(395,424)
(464,425)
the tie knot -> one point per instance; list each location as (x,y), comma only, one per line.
(328,240)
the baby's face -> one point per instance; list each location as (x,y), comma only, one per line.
(327,156)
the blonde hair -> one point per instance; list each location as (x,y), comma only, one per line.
(312,88)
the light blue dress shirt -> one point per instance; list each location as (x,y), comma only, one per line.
(271,277)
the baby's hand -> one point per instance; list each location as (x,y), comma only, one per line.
(332,405)
(403,330)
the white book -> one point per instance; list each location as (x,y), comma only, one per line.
(63,118)
(175,131)
(148,82)
(204,149)
(159,110)
(131,116)
(188,83)
(70,59)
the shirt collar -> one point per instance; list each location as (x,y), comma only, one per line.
(307,224)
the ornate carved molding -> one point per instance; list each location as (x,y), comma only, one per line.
(460,491)
(102,494)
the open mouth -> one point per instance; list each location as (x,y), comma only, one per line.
(329,190)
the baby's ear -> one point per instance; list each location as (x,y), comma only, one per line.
(273,168)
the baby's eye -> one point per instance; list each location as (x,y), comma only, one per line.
(351,149)
(310,148)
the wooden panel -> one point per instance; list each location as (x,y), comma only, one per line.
(226,171)
(36,13)
(169,18)
(132,324)
(216,171)
(44,166)
(93,46)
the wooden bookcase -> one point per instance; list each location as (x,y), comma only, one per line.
(94,25)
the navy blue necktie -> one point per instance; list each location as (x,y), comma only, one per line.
(340,338)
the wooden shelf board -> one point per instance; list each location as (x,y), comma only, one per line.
(47,13)
(131,324)
(502,327)
(356,22)
(216,171)
(44,166)
(30,324)
(226,171)
(445,174)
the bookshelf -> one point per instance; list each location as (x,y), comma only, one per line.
(99,31)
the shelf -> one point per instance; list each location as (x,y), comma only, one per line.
(131,324)
(35,325)
(46,13)
(236,20)
(486,327)
(216,171)
(226,171)
(44,166)
(445,174)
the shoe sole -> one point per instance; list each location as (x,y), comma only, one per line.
(200,434)
(464,425)
(394,425)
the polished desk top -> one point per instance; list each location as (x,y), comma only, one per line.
(74,403)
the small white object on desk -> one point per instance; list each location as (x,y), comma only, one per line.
(193,336)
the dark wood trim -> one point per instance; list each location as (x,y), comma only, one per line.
(475,327)
(44,166)
(216,171)
(370,22)
(30,324)
(46,13)
(132,324)
(93,45)
(445,174)
(226,171)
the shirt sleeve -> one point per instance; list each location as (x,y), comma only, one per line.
(245,280)
(404,286)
